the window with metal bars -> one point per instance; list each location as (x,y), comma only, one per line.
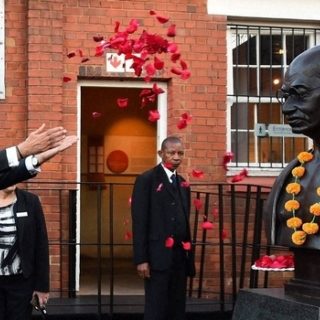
(258,58)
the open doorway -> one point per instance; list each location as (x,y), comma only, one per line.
(117,143)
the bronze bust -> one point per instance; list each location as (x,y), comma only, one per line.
(300,99)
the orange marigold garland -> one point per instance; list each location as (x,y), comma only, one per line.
(308,228)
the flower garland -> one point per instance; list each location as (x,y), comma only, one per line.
(294,188)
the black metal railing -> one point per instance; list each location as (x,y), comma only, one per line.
(224,254)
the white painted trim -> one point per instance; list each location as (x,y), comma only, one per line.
(2,51)
(161,134)
(266,9)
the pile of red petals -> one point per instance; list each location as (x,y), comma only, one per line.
(275,262)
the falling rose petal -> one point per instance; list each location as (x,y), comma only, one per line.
(96,115)
(145,92)
(197,203)
(172,48)
(150,69)
(156,89)
(147,79)
(80,53)
(169,242)
(71,54)
(244,173)
(224,234)
(185,184)
(171,31)
(186,117)
(84,60)
(215,213)
(185,74)
(182,124)
(66,79)
(158,64)
(168,165)
(183,65)
(186,245)
(129,201)
(176,71)
(162,19)
(197,173)
(153,115)
(228,156)
(152,12)
(122,102)
(159,188)
(175,57)
(237,178)
(133,26)
(97,38)
(128,235)
(207,225)
(117,25)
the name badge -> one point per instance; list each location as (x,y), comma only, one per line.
(22,214)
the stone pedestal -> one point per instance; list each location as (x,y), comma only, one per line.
(271,304)
(306,281)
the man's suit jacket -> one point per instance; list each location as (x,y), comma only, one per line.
(153,210)
(32,239)
(12,175)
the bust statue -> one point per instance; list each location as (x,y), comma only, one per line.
(300,100)
(292,211)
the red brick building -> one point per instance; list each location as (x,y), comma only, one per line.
(221,95)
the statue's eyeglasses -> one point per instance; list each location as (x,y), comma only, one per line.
(282,95)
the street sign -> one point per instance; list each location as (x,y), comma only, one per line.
(281,130)
(274,130)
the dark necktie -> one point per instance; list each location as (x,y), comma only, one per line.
(174,180)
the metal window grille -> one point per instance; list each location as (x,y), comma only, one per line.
(258,59)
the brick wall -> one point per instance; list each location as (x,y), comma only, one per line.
(39,34)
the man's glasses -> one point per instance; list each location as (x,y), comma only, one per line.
(282,95)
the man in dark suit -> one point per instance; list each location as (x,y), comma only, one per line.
(24,254)
(161,234)
(21,162)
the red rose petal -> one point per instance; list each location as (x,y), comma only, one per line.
(185,74)
(156,89)
(158,64)
(228,156)
(152,12)
(182,124)
(197,203)
(159,188)
(71,54)
(207,225)
(154,115)
(183,65)
(186,245)
(197,173)
(66,79)
(162,19)
(97,38)
(184,184)
(176,71)
(168,165)
(96,114)
(84,60)
(128,235)
(171,31)
(186,117)
(169,242)
(172,48)
(175,57)
(122,102)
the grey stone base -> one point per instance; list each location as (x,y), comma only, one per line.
(273,304)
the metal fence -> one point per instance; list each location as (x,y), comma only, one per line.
(224,253)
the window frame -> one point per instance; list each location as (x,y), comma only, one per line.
(256,168)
